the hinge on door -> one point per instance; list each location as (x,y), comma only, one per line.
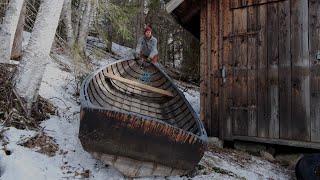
(238,4)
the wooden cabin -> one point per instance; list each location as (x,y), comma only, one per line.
(260,68)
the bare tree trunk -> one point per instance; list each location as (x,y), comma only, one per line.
(9,27)
(4,47)
(140,20)
(16,52)
(84,26)
(36,57)
(67,12)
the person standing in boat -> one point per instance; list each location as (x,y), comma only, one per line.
(147,46)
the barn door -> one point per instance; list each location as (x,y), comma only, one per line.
(254,36)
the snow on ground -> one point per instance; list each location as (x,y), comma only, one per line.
(193,96)
(122,50)
(26,38)
(72,162)
(58,87)
(239,165)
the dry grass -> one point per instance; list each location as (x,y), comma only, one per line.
(12,108)
(44,143)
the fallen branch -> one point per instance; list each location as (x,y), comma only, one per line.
(20,101)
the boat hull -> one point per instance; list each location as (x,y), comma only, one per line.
(134,118)
(119,134)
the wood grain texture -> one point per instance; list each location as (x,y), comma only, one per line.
(203,61)
(268,49)
(214,69)
(240,56)
(273,75)
(314,35)
(208,114)
(252,69)
(284,70)
(263,127)
(227,62)
(300,71)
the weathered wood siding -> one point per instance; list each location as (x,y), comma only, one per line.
(270,52)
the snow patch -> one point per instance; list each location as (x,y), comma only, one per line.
(25,39)
(193,96)
(122,50)
(71,160)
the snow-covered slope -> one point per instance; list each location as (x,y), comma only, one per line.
(72,162)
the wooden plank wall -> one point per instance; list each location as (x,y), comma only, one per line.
(300,88)
(252,69)
(240,58)
(284,70)
(209,85)
(262,107)
(314,35)
(269,50)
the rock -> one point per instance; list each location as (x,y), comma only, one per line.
(253,148)
(288,159)
(214,141)
(267,156)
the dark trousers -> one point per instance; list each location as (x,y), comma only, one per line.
(154,59)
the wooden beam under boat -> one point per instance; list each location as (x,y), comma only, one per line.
(140,85)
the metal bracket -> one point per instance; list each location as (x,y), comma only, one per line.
(318,56)
(223,73)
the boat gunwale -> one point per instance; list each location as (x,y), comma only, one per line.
(86,103)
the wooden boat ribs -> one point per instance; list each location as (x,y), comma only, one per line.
(149,121)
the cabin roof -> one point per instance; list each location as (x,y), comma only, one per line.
(187,14)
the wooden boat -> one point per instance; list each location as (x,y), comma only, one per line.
(134,118)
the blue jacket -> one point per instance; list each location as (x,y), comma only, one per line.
(147,47)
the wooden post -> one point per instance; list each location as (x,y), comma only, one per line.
(214,80)
(208,68)
(203,61)
(227,61)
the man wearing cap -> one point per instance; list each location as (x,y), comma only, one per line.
(147,46)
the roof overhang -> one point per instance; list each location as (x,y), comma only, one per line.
(172,5)
(187,14)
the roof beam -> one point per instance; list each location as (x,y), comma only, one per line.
(172,5)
